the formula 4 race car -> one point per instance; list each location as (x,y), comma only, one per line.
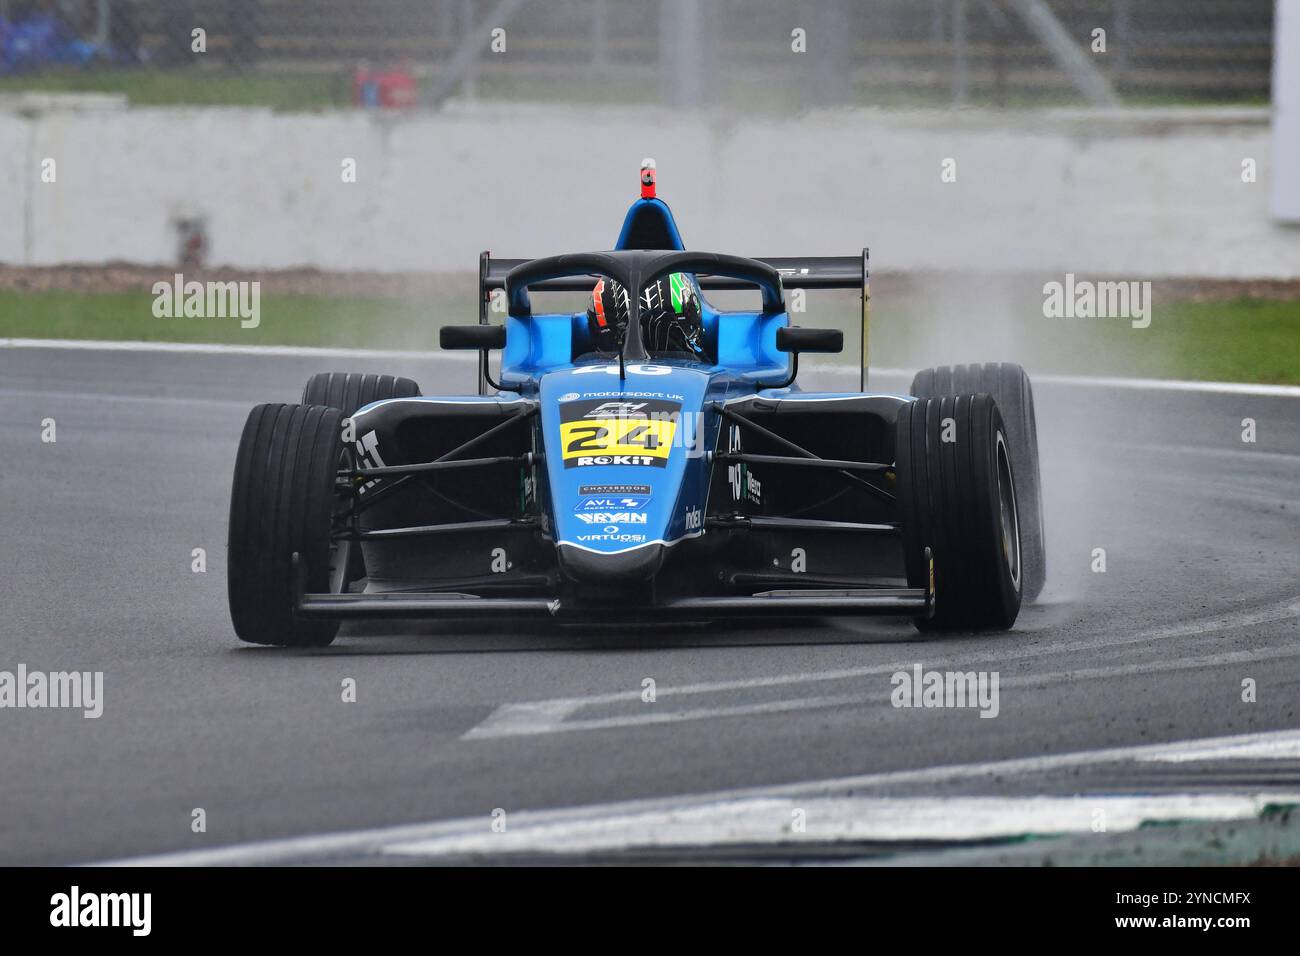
(615,474)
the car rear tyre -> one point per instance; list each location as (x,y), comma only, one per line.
(1010,388)
(349,391)
(957,496)
(281,504)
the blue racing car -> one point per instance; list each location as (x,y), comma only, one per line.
(649,458)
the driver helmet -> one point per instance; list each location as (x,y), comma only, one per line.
(670,316)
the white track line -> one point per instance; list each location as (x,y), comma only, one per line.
(511,720)
(351,844)
(1091,381)
(553,716)
(212,348)
(302,351)
(1172,385)
(1279,749)
(876,819)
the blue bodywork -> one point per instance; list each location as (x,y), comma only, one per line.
(613,508)
(549,355)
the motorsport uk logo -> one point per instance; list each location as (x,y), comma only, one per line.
(71,690)
(76,909)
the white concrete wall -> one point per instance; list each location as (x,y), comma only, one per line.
(1146,195)
(1286,108)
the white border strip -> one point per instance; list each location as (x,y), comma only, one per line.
(1172,385)
(342,846)
(213,348)
(303,351)
(1091,381)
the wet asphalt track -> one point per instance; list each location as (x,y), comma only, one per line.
(1201,531)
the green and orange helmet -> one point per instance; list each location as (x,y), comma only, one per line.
(670,316)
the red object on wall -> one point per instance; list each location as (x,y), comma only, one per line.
(384,89)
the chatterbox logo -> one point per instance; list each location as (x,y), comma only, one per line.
(74,908)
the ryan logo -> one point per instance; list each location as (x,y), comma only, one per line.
(618,432)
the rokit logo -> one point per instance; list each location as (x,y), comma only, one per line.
(584,461)
(613,517)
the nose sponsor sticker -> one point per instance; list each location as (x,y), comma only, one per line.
(618,432)
(612,503)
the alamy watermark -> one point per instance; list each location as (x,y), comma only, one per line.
(922,688)
(177,299)
(1084,299)
(72,690)
(133,911)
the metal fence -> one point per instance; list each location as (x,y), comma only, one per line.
(680,52)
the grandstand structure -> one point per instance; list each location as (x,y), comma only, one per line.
(886,52)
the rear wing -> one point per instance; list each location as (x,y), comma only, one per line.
(797,272)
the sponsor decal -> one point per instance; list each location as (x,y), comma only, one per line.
(613,517)
(368,457)
(612,503)
(612,536)
(638,490)
(743,483)
(694,518)
(595,432)
(618,410)
(752,487)
(669,396)
(568,397)
(584,461)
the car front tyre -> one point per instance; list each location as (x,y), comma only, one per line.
(957,496)
(281,504)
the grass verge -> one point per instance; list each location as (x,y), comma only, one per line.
(1239,340)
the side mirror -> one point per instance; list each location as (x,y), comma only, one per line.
(476,337)
(794,341)
(809,340)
